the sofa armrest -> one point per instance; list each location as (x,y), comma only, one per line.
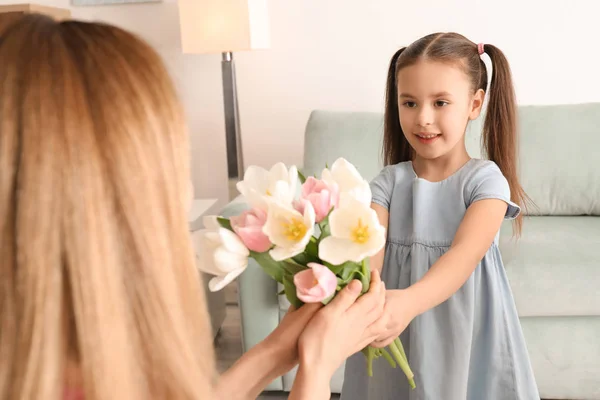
(257,297)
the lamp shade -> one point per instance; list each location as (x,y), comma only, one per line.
(218,26)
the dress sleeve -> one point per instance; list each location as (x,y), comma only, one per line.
(382,187)
(489,183)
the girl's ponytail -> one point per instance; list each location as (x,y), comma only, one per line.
(395,146)
(500,133)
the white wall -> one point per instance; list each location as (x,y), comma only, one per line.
(198,78)
(333,54)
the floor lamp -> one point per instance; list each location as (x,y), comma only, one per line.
(226,26)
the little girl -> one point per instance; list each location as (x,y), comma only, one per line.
(444,211)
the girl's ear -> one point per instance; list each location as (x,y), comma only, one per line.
(477,104)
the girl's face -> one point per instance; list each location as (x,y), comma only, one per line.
(435,102)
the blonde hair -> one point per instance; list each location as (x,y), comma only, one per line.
(96,264)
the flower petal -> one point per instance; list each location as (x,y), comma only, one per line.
(257,200)
(293,179)
(227,262)
(219,282)
(309,186)
(278,172)
(309,218)
(232,243)
(326,278)
(315,284)
(334,250)
(281,192)
(304,279)
(341,222)
(256,177)
(283,253)
(345,174)
(207,265)
(254,238)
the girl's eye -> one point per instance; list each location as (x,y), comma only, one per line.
(441,103)
(410,104)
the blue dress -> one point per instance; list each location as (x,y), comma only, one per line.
(470,347)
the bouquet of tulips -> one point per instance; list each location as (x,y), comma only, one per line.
(313,245)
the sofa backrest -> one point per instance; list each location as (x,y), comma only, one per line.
(559,152)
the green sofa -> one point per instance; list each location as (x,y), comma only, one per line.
(554,268)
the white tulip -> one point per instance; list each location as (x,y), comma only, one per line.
(220,252)
(349,180)
(288,230)
(261,186)
(355,234)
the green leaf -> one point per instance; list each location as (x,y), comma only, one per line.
(292,267)
(282,292)
(351,272)
(290,291)
(301,177)
(273,268)
(325,230)
(304,259)
(225,223)
(337,269)
(312,248)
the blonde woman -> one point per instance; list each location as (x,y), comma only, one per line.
(99,296)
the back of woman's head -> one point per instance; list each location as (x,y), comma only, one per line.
(96,266)
(500,135)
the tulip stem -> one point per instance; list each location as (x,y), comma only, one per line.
(366,273)
(400,347)
(369,355)
(389,358)
(403,363)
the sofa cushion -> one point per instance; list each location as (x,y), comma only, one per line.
(356,136)
(558,147)
(554,268)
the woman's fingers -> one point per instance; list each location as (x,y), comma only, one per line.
(371,305)
(346,298)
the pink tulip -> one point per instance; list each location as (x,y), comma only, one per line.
(321,195)
(315,284)
(249,227)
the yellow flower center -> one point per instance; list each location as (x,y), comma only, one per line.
(294,230)
(269,193)
(360,234)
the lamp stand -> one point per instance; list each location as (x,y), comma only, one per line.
(235,160)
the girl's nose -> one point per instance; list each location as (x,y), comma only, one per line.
(425,116)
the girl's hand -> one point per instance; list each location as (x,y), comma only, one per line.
(398,313)
(344,327)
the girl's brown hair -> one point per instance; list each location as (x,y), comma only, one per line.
(96,264)
(500,135)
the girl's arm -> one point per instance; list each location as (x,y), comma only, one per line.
(473,239)
(376,261)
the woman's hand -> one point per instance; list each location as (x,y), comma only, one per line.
(398,313)
(344,327)
(271,358)
(283,341)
